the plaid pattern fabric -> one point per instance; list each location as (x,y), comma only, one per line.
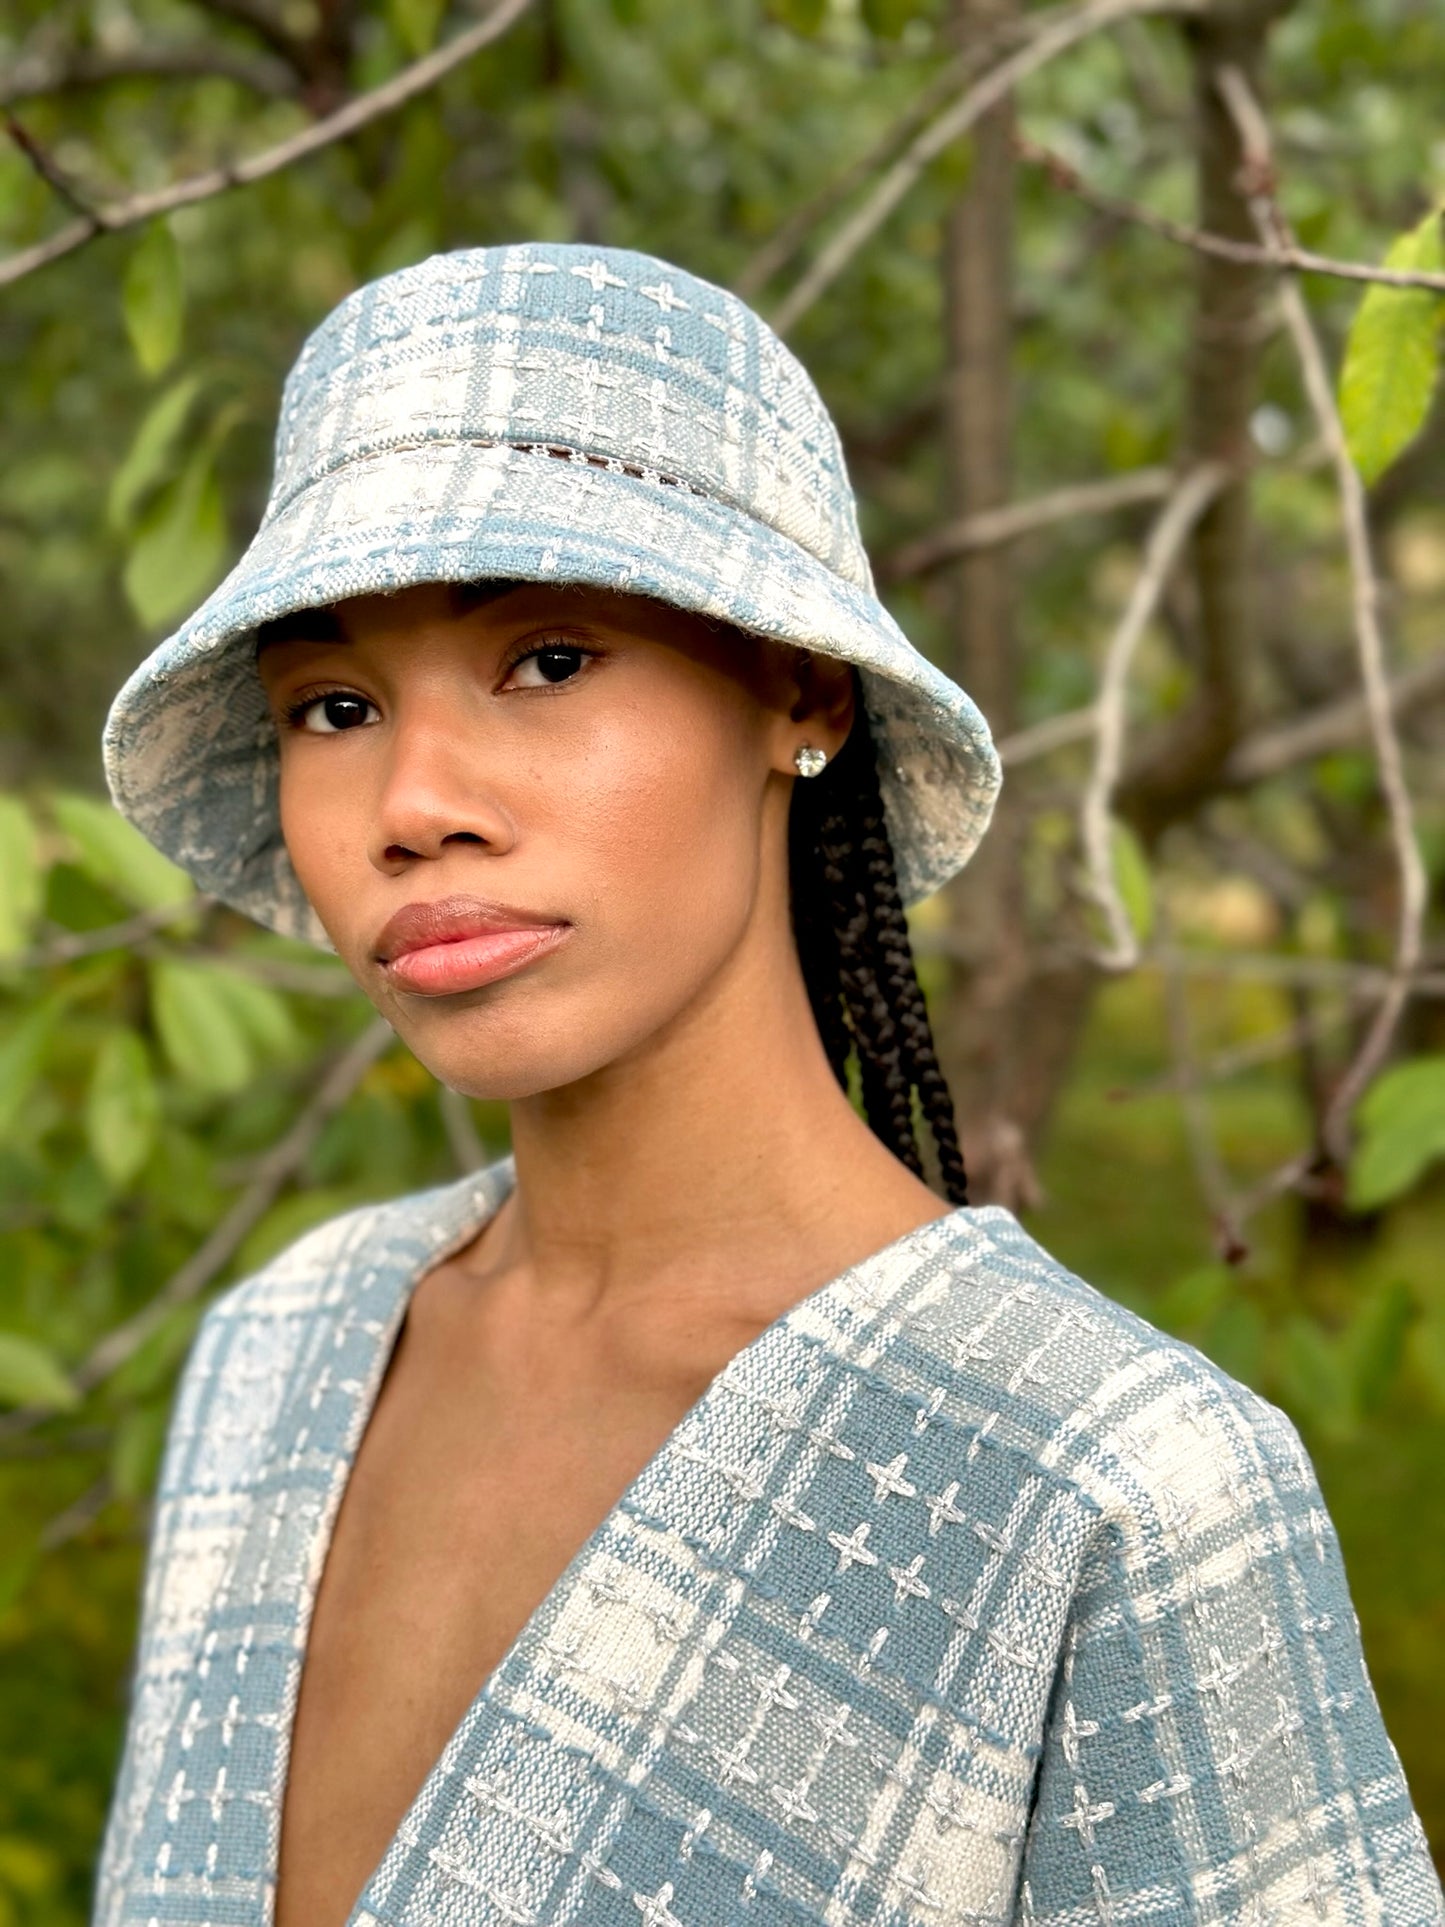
(961,1596)
(550,412)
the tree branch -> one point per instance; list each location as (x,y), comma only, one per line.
(1268,753)
(36,76)
(54,177)
(273,1171)
(993,528)
(266,22)
(1248,253)
(366,108)
(1193,493)
(1054,34)
(1258,183)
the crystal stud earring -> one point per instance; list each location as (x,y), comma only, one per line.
(809,761)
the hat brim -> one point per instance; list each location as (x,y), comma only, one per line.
(190,751)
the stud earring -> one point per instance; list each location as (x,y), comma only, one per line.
(809,761)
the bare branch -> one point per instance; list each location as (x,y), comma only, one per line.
(366,108)
(1204,1152)
(1284,255)
(267,22)
(1332,726)
(1056,32)
(462,1135)
(1269,753)
(995,527)
(54,178)
(111,936)
(1414,888)
(74,1519)
(36,76)
(274,1170)
(1322,973)
(280,1165)
(1193,493)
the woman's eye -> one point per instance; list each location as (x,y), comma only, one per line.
(554,662)
(323,715)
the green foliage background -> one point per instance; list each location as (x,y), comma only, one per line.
(146,1073)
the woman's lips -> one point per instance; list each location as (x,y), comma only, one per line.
(466,963)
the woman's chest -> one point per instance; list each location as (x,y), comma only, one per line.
(458,1519)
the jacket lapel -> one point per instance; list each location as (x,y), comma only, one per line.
(594,1772)
(208,1841)
(540,1808)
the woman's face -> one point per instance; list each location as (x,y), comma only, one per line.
(577,800)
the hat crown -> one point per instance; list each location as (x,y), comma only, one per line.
(613,357)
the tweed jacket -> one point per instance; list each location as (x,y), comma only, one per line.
(962,1595)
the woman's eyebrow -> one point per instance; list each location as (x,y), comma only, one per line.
(300,625)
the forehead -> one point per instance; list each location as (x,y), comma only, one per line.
(327,622)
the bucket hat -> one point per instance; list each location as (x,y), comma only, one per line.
(553,412)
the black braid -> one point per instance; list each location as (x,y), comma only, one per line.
(857,961)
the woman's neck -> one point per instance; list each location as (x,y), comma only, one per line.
(722,1155)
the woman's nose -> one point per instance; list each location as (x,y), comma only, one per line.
(437,787)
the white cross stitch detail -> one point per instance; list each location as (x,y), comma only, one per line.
(598,276)
(942,1510)
(732,1763)
(852,1548)
(1084,1815)
(906,1582)
(889,1478)
(794,1802)
(665,296)
(654,1907)
(759,1869)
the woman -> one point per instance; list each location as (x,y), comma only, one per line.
(692,1518)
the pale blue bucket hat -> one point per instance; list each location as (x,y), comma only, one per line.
(538,411)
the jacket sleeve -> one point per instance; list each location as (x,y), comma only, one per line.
(1214,1751)
(160,1649)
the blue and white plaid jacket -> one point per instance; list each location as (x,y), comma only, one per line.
(961,1596)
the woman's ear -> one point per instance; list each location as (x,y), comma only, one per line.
(826,702)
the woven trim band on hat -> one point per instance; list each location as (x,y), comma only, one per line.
(551,413)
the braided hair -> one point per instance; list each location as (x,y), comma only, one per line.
(857,960)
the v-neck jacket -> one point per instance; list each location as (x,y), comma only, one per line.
(962,1595)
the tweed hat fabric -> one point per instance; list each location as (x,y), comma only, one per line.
(552,412)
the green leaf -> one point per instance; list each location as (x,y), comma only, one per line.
(888,18)
(122,1107)
(1375,1342)
(1402,1131)
(18,1565)
(416,23)
(803,16)
(196,1021)
(1390,356)
(1191,1301)
(21,1057)
(1131,875)
(180,543)
(30,1374)
(153,298)
(114,853)
(150,456)
(261,1014)
(1315,1378)
(21,876)
(136,1450)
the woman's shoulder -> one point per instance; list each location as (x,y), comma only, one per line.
(1078,1387)
(260,1332)
(312,1273)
